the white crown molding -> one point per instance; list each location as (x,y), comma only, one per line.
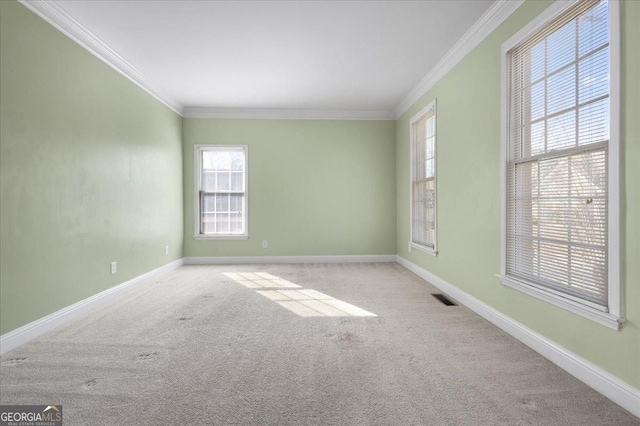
(60,19)
(236,260)
(37,328)
(620,392)
(287,114)
(56,16)
(488,22)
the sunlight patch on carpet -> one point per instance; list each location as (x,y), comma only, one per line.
(259,280)
(303,302)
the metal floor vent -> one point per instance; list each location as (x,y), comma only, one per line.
(444,299)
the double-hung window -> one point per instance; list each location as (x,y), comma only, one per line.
(221,191)
(423,179)
(560,168)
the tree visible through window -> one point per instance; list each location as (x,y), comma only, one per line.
(557,170)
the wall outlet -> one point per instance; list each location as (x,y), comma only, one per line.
(166,249)
(114,268)
(265,244)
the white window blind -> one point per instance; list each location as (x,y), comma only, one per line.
(557,156)
(222,190)
(423,185)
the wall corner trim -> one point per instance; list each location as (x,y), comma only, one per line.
(488,22)
(237,260)
(35,329)
(620,392)
(61,20)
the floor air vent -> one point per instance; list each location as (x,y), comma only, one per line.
(444,299)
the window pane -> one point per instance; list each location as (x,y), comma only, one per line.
(594,75)
(237,181)
(594,122)
(222,223)
(561,90)
(208,180)
(561,47)
(537,61)
(536,100)
(593,28)
(561,131)
(208,203)
(236,223)
(222,203)
(419,149)
(208,160)
(208,223)
(430,212)
(430,166)
(419,189)
(537,138)
(237,160)
(546,265)
(430,127)
(431,145)
(222,160)
(223,181)
(236,202)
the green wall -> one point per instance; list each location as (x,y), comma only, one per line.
(91,172)
(469,197)
(315,187)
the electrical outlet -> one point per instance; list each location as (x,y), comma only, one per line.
(114,268)
(166,249)
(265,244)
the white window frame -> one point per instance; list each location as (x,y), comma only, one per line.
(429,250)
(196,193)
(613,316)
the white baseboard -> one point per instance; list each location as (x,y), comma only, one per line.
(22,335)
(620,392)
(235,260)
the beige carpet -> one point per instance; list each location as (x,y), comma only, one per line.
(198,348)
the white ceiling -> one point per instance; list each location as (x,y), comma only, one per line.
(316,55)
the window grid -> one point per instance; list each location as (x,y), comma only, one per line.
(423,185)
(222,191)
(557,198)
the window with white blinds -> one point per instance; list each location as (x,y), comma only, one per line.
(221,185)
(557,156)
(423,179)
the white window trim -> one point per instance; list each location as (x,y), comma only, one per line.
(433,251)
(614,317)
(196,194)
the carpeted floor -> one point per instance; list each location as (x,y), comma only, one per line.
(198,348)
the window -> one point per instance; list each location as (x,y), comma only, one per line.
(221,192)
(560,230)
(423,180)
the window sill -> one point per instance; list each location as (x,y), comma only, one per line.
(220,237)
(578,308)
(425,249)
